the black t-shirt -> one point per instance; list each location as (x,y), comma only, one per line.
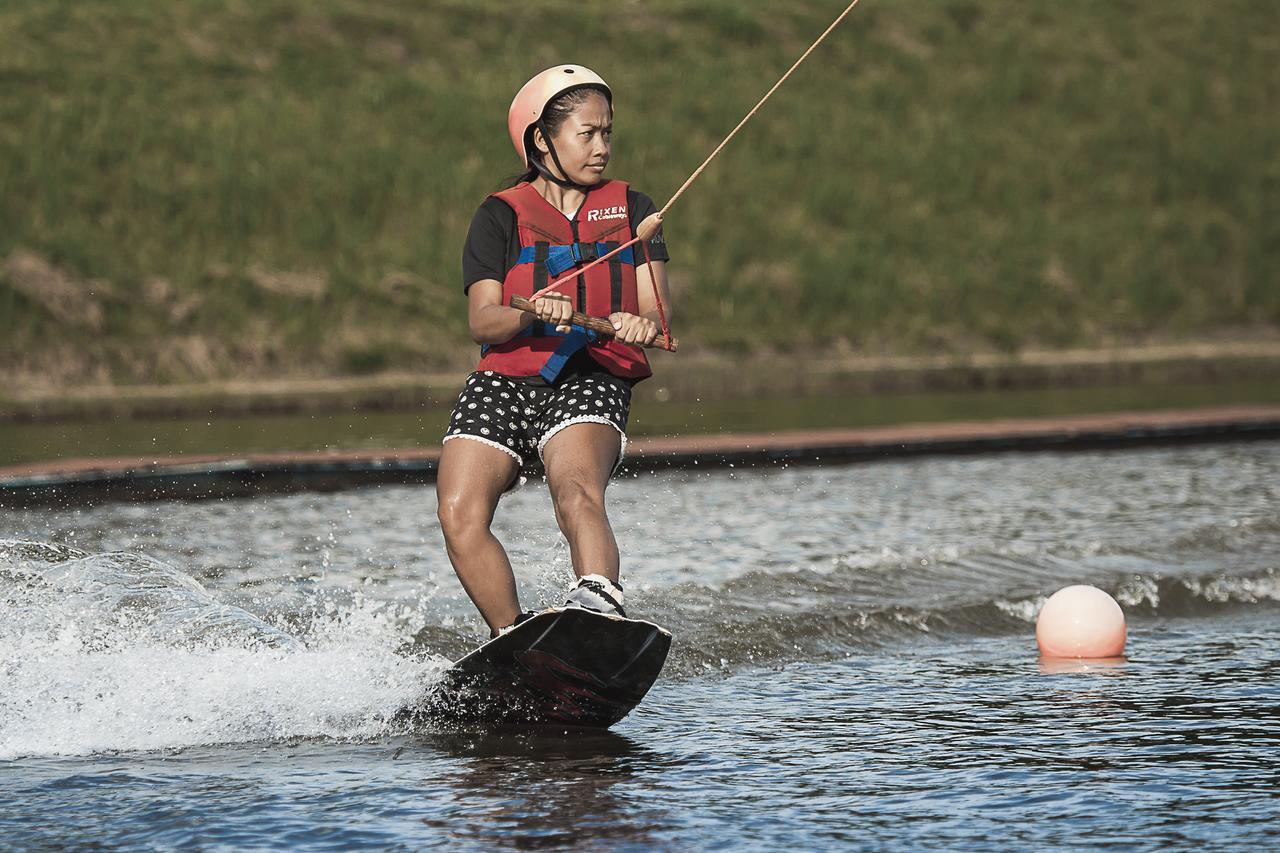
(493,245)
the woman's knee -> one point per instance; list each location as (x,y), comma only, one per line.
(461,515)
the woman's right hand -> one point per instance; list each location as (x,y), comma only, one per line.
(554,309)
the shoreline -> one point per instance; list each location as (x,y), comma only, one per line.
(213,476)
(695,377)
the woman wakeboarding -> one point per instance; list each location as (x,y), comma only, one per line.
(552,383)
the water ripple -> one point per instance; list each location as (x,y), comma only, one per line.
(854,665)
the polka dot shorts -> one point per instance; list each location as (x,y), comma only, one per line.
(520,419)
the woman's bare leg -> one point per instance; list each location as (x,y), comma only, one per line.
(472,477)
(579,460)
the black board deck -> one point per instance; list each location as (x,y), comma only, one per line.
(565,666)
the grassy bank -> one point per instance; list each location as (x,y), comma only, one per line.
(196,190)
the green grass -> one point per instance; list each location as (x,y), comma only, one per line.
(942,176)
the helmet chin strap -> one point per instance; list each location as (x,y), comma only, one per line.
(555,158)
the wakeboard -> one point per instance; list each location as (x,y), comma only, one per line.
(564,666)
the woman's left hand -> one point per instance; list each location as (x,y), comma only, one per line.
(631,329)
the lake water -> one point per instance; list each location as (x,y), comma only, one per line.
(854,665)
(25,441)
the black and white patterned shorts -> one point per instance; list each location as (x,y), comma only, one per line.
(520,419)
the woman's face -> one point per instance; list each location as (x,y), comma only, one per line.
(583,141)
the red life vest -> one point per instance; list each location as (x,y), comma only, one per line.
(551,245)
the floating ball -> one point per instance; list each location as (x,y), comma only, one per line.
(1081,622)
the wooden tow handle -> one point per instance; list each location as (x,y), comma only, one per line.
(649,226)
(598,324)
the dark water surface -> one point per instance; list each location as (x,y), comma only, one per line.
(31,442)
(854,665)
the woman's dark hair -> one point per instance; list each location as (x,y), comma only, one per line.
(553,118)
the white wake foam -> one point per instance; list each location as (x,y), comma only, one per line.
(123,652)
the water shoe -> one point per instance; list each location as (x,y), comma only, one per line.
(598,593)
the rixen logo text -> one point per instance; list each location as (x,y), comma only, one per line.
(603,213)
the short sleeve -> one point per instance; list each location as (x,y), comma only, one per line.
(642,207)
(486,252)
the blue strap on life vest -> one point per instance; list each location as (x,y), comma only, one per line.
(561,258)
(574,340)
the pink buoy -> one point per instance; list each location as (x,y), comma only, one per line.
(1081,622)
